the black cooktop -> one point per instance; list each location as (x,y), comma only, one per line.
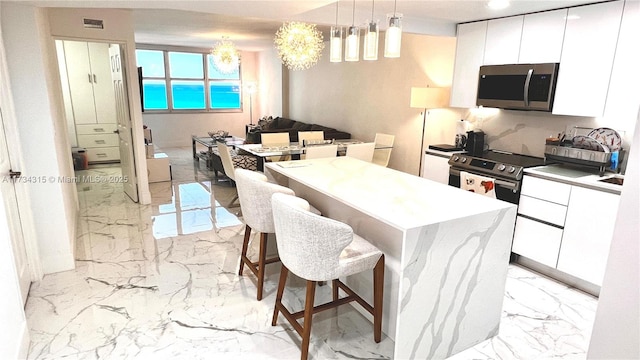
(511,159)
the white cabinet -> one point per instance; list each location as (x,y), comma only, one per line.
(587,58)
(587,234)
(91,98)
(469,58)
(436,168)
(101,142)
(89,75)
(623,101)
(540,221)
(502,45)
(542,36)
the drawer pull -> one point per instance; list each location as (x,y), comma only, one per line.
(100,142)
(98,129)
(101,155)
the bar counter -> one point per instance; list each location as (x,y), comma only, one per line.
(446,250)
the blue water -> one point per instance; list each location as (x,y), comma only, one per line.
(191,97)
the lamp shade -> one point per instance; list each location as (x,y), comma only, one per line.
(429,98)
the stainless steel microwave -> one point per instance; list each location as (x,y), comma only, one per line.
(518,86)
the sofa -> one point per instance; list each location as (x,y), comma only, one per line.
(280,124)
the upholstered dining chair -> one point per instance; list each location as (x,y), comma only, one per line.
(362,151)
(308,135)
(231,160)
(317,248)
(321,151)
(384,142)
(275,139)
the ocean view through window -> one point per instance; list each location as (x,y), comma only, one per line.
(186,81)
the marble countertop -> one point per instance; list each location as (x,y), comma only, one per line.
(399,199)
(576,176)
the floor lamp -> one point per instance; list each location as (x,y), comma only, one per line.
(427,98)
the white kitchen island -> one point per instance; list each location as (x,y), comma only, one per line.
(446,250)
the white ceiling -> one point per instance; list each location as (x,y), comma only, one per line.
(252,24)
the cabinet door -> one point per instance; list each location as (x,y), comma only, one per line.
(537,241)
(80,81)
(436,168)
(469,57)
(104,96)
(623,100)
(542,36)
(587,59)
(588,230)
(503,41)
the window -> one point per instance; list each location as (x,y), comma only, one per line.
(186,81)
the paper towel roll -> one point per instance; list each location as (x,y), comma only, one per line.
(463,126)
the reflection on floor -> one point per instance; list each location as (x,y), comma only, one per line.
(160,281)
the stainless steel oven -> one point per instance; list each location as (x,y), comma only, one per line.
(506,168)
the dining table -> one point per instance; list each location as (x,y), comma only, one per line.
(295,149)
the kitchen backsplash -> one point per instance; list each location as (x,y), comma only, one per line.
(525,132)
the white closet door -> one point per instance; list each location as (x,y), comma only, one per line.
(80,82)
(105,105)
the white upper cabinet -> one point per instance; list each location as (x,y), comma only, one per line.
(503,41)
(623,100)
(469,56)
(90,84)
(587,57)
(542,36)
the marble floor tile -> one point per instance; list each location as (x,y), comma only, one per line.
(160,281)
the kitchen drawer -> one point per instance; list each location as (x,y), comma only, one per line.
(548,190)
(93,129)
(542,210)
(93,141)
(537,241)
(103,154)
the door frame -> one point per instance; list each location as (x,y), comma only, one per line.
(144,196)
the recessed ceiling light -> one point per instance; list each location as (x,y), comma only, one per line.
(498,4)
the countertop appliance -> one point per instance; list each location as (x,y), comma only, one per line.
(518,86)
(505,167)
(475,143)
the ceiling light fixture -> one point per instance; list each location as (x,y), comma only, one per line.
(498,4)
(225,56)
(393,35)
(335,41)
(299,45)
(352,44)
(371,38)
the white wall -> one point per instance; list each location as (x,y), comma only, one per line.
(367,97)
(42,133)
(616,331)
(67,23)
(270,84)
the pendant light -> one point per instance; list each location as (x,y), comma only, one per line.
(393,35)
(352,43)
(335,40)
(371,38)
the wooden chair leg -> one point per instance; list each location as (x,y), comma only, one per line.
(245,246)
(378,291)
(308,314)
(261,263)
(283,279)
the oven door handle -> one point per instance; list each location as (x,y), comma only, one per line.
(499,182)
(507,184)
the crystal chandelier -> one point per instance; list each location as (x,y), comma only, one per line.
(299,45)
(225,56)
